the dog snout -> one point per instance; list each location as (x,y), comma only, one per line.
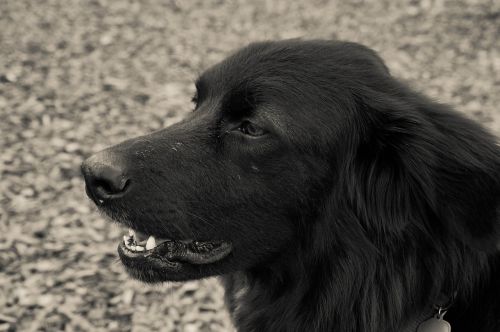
(105,177)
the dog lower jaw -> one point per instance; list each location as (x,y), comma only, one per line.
(176,260)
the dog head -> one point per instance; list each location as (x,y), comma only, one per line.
(292,145)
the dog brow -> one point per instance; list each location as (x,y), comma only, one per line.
(241,101)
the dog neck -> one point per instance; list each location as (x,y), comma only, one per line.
(361,295)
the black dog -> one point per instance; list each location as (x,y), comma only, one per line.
(328,195)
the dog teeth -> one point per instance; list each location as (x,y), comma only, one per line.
(132,244)
(151,243)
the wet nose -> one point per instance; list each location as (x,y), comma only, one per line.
(105,178)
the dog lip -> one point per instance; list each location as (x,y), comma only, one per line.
(178,251)
(142,262)
(200,253)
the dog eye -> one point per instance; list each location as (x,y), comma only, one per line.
(251,129)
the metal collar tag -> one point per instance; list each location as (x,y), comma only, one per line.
(435,324)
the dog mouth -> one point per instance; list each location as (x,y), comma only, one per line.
(140,246)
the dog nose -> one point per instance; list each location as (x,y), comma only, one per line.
(105,178)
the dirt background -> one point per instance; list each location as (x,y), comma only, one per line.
(76,76)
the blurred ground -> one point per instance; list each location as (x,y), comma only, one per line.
(76,76)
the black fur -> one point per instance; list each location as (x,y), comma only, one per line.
(361,206)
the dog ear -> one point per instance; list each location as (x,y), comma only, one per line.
(467,173)
(419,163)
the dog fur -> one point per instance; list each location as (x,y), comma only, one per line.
(354,204)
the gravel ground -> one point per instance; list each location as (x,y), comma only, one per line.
(76,76)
